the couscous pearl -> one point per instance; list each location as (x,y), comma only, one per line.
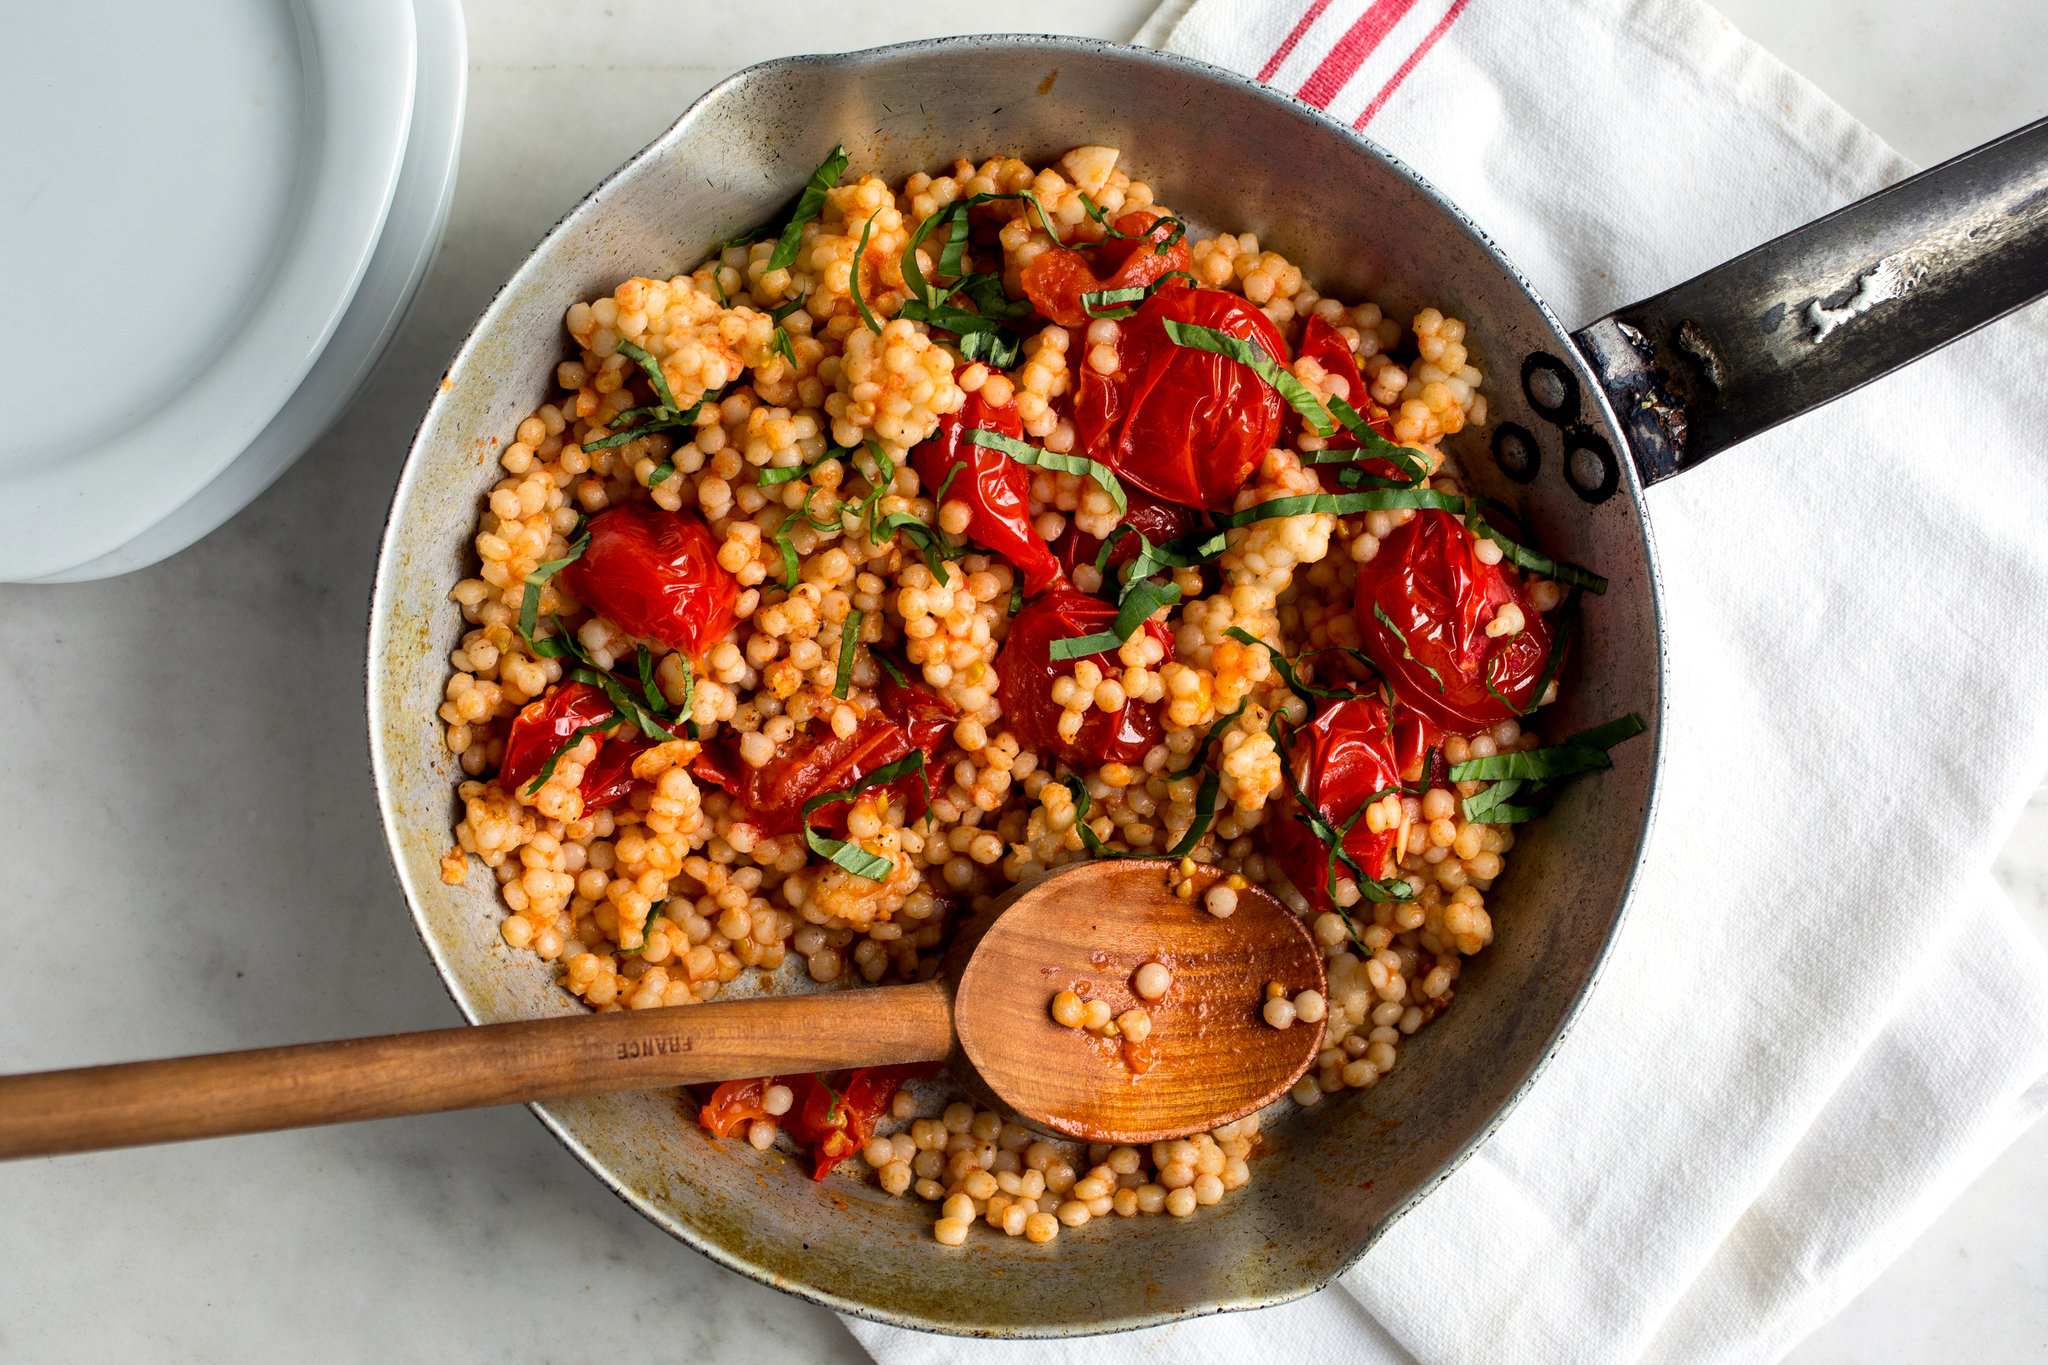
(1309,1007)
(1067,1010)
(1279,1013)
(1220,901)
(1151,981)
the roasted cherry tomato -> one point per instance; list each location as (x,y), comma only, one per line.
(734,1105)
(1157,521)
(818,761)
(1025,671)
(1341,758)
(835,1113)
(996,489)
(1326,346)
(655,574)
(1428,582)
(1417,738)
(544,726)
(1055,280)
(1185,424)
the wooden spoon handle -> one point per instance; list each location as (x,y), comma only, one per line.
(51,1112)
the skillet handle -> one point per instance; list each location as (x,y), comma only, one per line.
(1826,308)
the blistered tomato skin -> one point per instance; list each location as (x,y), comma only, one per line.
(1186,425)
(818,760)
(1428,581)
(1055,280)
(1026,671)
(995,488)
(1342,757)
(836,1112)
(544,725)
(654,574)
(1159,522)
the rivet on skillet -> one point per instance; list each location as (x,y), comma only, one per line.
(1550,388)
(1516,452)
(1589,464)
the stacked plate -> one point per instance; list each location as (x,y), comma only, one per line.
(200,263)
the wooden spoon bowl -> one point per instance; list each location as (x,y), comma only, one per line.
(1210,1057)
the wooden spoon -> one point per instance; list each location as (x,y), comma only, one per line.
(1087,928)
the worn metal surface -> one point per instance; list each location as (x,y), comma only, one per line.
(1826,308)
(1225,152)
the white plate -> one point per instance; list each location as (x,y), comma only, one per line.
(180,241)
(412,233)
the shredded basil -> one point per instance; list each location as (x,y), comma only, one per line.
(781,341)
(1027,454)
(529,601)
(689,706)
(860,254)
(1205,815)
(1201,338)
(622,701)
(1372,445)
(1567,624)
(1331,837)
(652,368)
(1118,304)
(1479,805)
(1082,646)
(778,474)
(1307,691)
(656,702)
(844,853)
(849,636)
(999,349)
(989,296)
(647,924)
(889,667)
(1581,753)
(547,769)
(929,543)
(789,564)
(1159,248)
(1540,564)
(808,205)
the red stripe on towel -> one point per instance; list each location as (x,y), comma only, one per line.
(1336,70)
(1414,59)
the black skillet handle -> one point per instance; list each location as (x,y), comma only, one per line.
(1827,308)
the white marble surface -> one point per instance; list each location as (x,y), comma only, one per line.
(186,769)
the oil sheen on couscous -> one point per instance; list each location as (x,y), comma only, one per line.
(944,533)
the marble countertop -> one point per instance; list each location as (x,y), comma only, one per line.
(190,794)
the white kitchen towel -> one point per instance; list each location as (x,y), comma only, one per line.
(1821,1017)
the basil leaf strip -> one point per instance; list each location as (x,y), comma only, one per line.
(988,294)
(808,205)
(860,254)
(1200,338)
(895,673)
(656,702)
(652,368)
(849,636)
(1583,752)
(689,707)
(623,702)
(1205,815)
(1540,564)
(1567,625)
(1308,692)
(928,542)
(1209,737)
(999,349)
(851,856)
(547,769)
(1372,445)
(1160,248)
(529,602)
(1026,454)
(1102,303)
(1081,646)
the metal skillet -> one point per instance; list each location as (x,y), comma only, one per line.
(1582,423)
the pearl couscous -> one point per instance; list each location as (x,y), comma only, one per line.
(970,527)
